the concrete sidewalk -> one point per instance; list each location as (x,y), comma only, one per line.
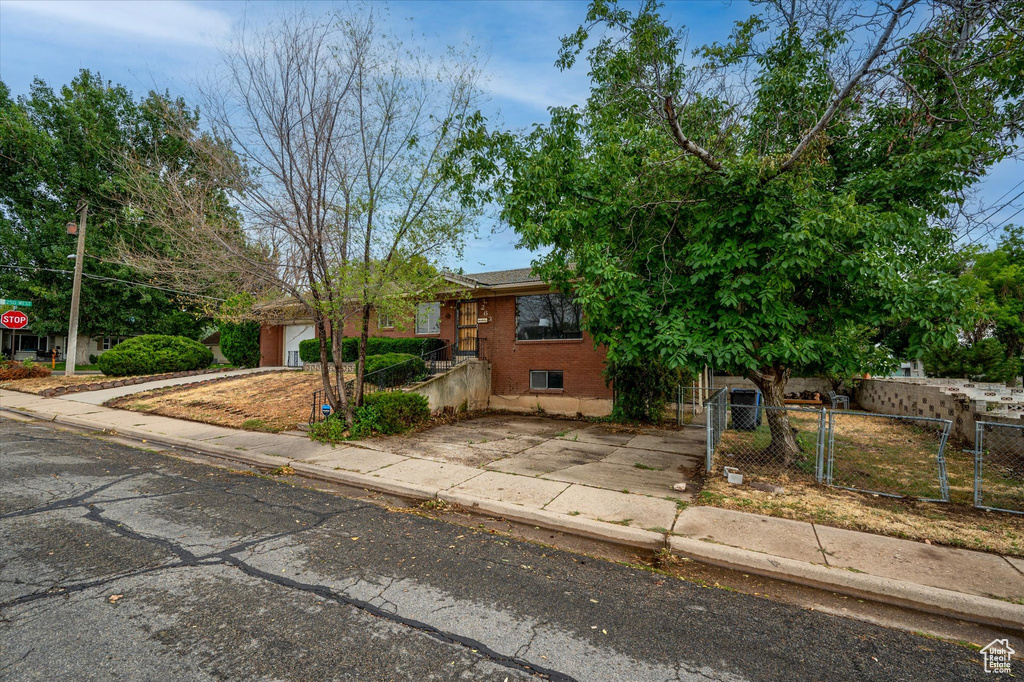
(975,586)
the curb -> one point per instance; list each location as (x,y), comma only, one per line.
(886,590)
(933,600)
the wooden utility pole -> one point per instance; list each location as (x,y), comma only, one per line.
(76,294)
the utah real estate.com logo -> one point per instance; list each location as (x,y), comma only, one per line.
(997,656)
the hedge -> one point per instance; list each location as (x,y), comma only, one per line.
(309,350)
(240,343)
(394,369)
(155,354)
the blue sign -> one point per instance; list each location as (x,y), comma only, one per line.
(326,409)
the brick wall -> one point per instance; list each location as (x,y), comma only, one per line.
(271,345)
(512,360)
(408,326)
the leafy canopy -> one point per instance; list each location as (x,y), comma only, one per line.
(760,205)
(59,148)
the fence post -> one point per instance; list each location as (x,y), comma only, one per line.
(943,476)
(978,431)
(819,463)
(709,435)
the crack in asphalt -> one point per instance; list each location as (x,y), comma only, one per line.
(188,559)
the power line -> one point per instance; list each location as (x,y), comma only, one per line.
(113,279)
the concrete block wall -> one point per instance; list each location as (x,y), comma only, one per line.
(469,384)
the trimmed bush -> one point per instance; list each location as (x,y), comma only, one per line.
(155,354)
(309,350)
(390,412)
(12,371)
(642,389)
(240,343)
(393,369)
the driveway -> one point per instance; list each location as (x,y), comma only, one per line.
(647,461)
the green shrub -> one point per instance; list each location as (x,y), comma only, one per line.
(240,343)
(309,350)
(155,354)
(390,412)
(93,359)
(393,369)
(383,412)
(330,430)
(641,389)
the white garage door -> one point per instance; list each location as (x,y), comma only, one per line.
(293,334)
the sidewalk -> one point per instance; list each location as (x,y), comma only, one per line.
(975,586)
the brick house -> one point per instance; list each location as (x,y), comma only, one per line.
(539,355)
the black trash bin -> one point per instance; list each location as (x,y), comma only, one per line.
(746,415)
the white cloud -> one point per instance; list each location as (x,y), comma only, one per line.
(174,21)
(539,86)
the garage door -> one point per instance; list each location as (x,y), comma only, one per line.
(293,334)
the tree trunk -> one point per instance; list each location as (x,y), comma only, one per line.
(772,384)
(345,405)
(364,336)
(325,374)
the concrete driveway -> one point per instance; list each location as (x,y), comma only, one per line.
(646,461)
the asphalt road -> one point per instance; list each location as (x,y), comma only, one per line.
(118,563)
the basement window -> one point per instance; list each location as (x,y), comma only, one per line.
(543,380)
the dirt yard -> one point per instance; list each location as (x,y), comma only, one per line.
(265,402)
(871,454)
(56,379)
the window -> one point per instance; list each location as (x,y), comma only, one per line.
(428,318)
(110,341)
(384,321)
(549,316)
(542,380)
(30,342)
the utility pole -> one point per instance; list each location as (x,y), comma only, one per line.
(76,293)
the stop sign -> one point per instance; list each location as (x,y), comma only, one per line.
(14,319)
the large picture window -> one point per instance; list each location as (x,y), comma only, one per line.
(549,316)
(428,318)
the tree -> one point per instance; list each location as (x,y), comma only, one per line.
(340,132)
(239,333)
(750,204)
(984,360)
(60,148)
(991,348)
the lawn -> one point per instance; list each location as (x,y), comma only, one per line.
(879,455)
(273,402)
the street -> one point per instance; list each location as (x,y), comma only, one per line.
(117,563)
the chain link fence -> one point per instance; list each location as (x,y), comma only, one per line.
(999,467)
(873,453)
(758,443)
(895,456)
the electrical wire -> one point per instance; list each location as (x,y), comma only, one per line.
(113,279)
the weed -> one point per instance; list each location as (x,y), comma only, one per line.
(574,513)
(282,471)
(641,465)
(435,504)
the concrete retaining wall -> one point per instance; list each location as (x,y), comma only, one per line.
(564,405)
(469,384)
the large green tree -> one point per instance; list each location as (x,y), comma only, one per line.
(61,148)
(756,205)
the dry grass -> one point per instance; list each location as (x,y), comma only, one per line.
(875,454)
(53,381)
(266,402)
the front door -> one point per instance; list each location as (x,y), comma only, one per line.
(466,328)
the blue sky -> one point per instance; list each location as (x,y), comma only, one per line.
(169,44)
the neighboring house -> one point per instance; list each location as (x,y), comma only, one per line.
(23,344)
(540,357)
(213,343)
(912,369)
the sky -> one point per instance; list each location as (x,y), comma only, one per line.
(171,44)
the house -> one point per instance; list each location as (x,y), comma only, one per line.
(213,343)
(24,344)
(540,357)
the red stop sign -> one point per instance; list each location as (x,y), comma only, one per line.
(14,319)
